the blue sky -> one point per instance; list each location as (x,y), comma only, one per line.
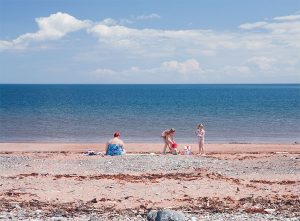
(136,41)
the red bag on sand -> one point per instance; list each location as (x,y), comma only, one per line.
(174,145)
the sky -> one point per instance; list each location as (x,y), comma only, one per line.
(149,41)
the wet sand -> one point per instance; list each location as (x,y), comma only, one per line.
(55,180)
(148,147)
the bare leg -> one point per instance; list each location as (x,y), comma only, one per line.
(171,149)
(202,146)
(166,145)
(175,151)
(169,144)
(106,149)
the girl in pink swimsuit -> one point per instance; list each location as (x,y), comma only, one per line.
(200,132)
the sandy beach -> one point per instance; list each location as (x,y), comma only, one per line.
(238,181)
(148,147)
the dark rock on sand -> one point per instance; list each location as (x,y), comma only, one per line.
(94,200)
(165,215)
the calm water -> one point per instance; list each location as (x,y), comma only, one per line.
(91,113)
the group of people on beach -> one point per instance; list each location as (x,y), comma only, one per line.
(169,142)
(116,145)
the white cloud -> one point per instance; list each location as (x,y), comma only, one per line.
(125,21)
(53,27)
(241,69)
(5,45)
(280,32)
(169,43)
(109,22)
(288,18)
(135,69)
(168,71)
(263,63)
(147,17)
(280,25)
(166,42)
(181,67)
(104,71)
(208,52)
(254,25)
(184,67)
(255,48)
(206,42)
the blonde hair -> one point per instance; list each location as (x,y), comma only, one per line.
(200,126)
(171,130)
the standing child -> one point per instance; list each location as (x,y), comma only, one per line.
(200,132)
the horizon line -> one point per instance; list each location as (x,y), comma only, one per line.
(149,83)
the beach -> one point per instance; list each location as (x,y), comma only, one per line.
(92,94)
(55,181)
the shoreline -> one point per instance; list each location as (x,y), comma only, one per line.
(150,147)
(156,141)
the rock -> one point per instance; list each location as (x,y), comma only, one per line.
(94,200)
(247,205)
(165,215)
(58,218)
(258,206)
(17,206)
(38,211)
(270,210)
(94,218)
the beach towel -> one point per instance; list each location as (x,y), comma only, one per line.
(114,150)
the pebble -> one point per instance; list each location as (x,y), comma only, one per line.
(137,217)
(165,215)
(159,163)
(58,218)
(270,210)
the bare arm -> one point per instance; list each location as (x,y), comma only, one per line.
(171,138)
(123,145)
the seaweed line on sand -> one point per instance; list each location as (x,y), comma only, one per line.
(285,204)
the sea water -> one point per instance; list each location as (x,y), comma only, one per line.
(92,113)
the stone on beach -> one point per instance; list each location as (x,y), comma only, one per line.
(165,215)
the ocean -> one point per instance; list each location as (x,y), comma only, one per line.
(91,113)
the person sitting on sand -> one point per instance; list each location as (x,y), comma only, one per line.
(115,146)
(200,132)
(168,139)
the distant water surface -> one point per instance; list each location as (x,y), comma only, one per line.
(91,113)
